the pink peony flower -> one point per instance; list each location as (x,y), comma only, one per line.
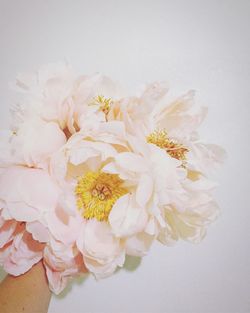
(22,193)
(62,263)
(18,250)
(88,176)
(56,94)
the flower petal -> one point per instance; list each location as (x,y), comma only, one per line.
(126,218)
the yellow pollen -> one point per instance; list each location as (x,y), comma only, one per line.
(96,194)
(104,104)
(161,139)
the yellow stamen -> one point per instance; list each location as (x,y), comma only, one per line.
(96,194)
(193,175)
(161,139)
(104,104)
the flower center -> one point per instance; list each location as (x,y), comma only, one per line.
(104,105)
(96,194)
(161,139)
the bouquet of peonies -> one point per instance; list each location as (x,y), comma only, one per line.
(88,175)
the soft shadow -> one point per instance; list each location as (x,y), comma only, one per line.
(76,281)
(132,262)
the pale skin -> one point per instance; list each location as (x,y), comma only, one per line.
(27,293)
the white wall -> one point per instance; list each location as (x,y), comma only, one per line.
(192,44)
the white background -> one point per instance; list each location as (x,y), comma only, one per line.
(202,45)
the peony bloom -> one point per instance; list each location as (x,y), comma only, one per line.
(31,144)
(22,198)
(62,263)
(172,127)
(56,94)
(110,195)
(88,176)
(89,195)
(189,225)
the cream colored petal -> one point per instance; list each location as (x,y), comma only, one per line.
(139,244)
(126,218)
(144,190)
(131,162)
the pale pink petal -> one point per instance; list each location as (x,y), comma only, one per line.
(126,218)
(24,253)
(144,190)
(61,267)
(62,226)
(99,242)
(35,141)
(103,270)
(139,244)
(38,230)
(131,162)
(25,199)
(6,231)
(22,211)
